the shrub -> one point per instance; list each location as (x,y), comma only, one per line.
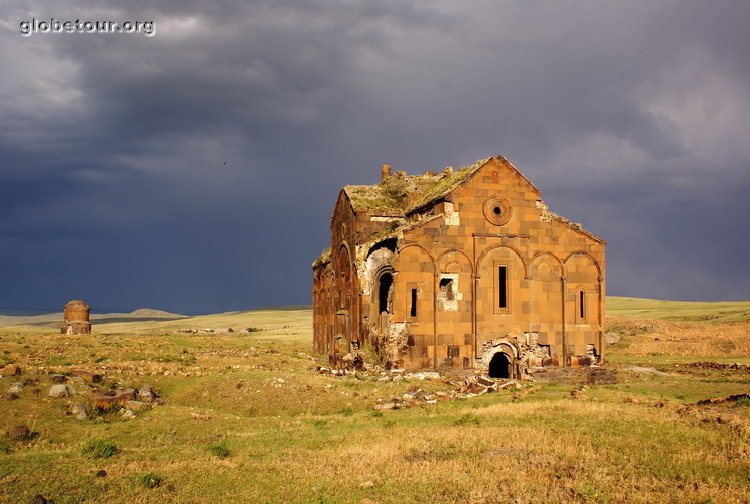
(148,480)
(219,449)
(466,419)
(253,329)
(99,448)
(726,345)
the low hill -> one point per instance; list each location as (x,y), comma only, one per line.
(53,320)
(145,319)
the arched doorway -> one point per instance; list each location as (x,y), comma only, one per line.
(384,293)
(384,301)
(501,366)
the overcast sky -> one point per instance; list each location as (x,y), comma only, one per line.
(195,170)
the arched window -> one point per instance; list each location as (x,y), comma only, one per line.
(581,308)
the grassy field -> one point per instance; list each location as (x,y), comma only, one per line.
(247,418)
(729,311)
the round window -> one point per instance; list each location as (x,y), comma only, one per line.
(497,210)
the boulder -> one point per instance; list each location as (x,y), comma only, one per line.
(87,375)
(137,405)
(147,393)
(105,400)
(611,337)
(19,432)
(59,390)
(57,378)
(729,419)
(80,412)
(10,370)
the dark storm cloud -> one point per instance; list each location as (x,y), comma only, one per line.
(195,170)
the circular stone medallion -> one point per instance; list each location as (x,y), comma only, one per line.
(497,210)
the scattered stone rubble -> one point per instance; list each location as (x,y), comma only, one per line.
(77,385)
(128,400)
(220,330)
(717,410)
(722,400)
(471,386)
(713,365)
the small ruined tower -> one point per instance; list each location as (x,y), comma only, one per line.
(76,318)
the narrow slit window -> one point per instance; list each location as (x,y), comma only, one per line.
(581,305)
(502,286)
(413,311)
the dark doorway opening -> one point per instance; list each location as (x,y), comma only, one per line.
(500,366)
(386,281)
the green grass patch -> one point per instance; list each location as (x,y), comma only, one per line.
(220,449)
(148,480)
(99,448)
(467,419)
(714,312)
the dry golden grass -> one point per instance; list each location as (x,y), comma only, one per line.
(315,438)
(686,339)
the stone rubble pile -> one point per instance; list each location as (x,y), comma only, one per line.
(219,330)
(472,386)
(714,365)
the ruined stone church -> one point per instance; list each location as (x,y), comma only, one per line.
(463,269)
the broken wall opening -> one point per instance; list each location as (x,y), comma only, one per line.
(388,243)
(446,287)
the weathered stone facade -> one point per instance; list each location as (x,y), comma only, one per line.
(459,270)
(76,318)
